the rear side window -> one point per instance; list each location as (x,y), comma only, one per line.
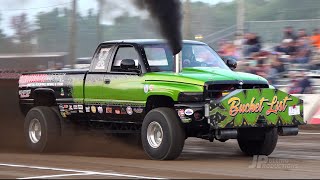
(124,52)
(101,58)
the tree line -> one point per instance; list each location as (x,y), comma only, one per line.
(50,32)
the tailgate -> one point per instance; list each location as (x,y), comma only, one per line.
(256,108)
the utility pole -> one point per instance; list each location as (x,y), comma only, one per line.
(187,19)
(240,25)
(99,15)
(73,35)
(240,17)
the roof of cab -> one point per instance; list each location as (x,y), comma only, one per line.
(150,41)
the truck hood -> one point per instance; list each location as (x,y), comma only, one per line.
(200,75)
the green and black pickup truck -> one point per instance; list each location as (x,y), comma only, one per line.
(140,87)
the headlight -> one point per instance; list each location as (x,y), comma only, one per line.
(190,97)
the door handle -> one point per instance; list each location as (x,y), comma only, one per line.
(107,81)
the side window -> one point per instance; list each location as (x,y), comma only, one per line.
(158,58)
(100,61)
(124,52)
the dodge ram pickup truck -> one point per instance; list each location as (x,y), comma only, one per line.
(139,86)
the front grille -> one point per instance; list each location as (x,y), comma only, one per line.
(215,90)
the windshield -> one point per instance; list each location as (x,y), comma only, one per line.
(160,57)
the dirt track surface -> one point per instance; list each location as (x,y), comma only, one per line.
(107,157)
(200,159)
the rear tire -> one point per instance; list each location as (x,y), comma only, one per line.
(256,141)
(162,134)
(42,129)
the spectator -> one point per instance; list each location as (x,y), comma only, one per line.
(292,49)
(294,52)
(288,33)
(305,84)
(228,49)
(238,43)
(303,53)
(259,57)
(252,44)
(266,71)
(221,44)
(293,87)
(300,84)
(315,39)
(302,34)
(257,63)
(302,57)
(277,64)
(286,47)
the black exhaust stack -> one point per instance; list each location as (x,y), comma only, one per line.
(168,14)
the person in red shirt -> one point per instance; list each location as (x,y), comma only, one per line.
(315,39)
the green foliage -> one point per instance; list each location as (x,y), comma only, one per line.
(53,31)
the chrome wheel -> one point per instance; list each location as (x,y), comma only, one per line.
(154,134)
(35,131)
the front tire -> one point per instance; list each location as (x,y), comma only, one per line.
(162,134)
(42,129)
(256,141)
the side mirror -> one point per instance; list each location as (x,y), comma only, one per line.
(128,64)
(230,62)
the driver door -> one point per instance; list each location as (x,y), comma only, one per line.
(124,92)
(94,86)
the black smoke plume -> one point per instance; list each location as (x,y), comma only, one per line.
(168,14)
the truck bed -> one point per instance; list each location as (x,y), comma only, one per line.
(56,85)
(66,71)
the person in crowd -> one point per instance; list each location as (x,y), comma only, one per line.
(288,33)
(315,39)
(302,34)
(276,63)
(252,44)
(302,57)
(266,71)
(257,63)
(303,53)
(300,83)
(238,43)
(277,68)
(305,84)
(304,38)
(221,45)
(228,49)
(287,47)
(292,49)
